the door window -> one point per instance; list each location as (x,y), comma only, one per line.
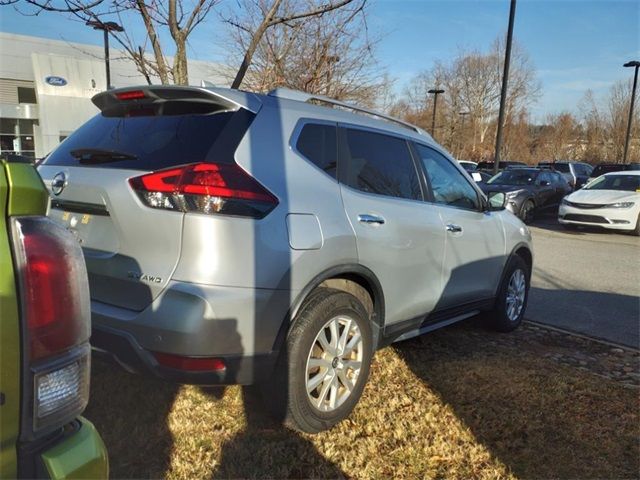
(448,184)
(544,177)
(381,164)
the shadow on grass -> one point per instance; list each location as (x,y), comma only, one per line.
(540,419)
(266,449)
(130,412)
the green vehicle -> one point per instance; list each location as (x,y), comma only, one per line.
(45,358)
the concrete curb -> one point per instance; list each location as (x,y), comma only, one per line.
(586,337)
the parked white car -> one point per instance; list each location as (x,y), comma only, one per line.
(611,201)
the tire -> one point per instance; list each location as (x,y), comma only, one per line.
(526,211)
(286,392)
(502,318)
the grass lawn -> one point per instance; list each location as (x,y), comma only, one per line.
(461,402)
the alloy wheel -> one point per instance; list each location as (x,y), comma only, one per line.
(334,363)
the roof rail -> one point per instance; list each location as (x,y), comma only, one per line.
(299,96)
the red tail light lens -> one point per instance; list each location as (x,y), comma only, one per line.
(53,284)
(208,188)
(131,95)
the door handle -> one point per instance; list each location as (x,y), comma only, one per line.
(370,219)
(454,228)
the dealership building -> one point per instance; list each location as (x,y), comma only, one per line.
(46,88)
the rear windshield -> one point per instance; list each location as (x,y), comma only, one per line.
(155,142)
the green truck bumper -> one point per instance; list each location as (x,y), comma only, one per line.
(82,455)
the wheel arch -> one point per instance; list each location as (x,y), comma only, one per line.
(351,278)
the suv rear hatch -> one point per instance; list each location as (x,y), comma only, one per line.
(131,250)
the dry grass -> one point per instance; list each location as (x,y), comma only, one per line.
(458,403)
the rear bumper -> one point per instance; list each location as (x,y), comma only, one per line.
(123,348)
(80,455)
(237,325)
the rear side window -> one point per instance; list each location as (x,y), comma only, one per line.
(381,164)
(155,142)
(318,144)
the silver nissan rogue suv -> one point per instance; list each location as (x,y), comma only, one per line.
(276,239)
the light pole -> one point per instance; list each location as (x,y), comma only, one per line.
(634,64)
(503,92)
(463,115)
(106,27)
(436,92)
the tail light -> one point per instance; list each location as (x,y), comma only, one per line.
(55,308)
(209,188)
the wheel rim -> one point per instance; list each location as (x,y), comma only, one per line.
(516,292)
(334,363)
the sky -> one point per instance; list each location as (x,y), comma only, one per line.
(574,45)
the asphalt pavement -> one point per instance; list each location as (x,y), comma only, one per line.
(586,281)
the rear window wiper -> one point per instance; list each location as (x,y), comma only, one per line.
(99,155)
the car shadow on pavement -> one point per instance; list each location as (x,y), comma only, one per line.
(530,414)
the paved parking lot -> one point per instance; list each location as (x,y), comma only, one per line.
(587,281)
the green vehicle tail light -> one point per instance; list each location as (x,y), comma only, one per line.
(61,393)
(54,298)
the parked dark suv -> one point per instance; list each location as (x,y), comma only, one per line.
(528,190)
(576,173)
(603,168)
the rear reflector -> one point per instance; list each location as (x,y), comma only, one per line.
(132,95)
(191,364)
(53,284)
(62,394)
(209,188)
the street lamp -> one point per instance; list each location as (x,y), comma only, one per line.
(463,115)
(503,91)
(634,64)
(106,27)
(435,92)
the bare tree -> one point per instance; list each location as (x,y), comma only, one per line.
(329,54)
(272,13)
(604,125)
(471,81)
(178,18)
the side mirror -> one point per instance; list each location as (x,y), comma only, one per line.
(497,201)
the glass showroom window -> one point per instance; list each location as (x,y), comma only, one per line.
(16,137)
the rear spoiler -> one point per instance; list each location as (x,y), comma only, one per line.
(153,94)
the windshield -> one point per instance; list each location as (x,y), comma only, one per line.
(621,182)
(514,177)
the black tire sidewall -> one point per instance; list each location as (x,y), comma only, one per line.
(523,211)
(313,316)
(499,319)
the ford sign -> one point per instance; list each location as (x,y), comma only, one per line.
(56,81)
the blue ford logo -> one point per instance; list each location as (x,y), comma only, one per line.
(56,81)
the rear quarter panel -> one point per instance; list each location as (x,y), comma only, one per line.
(9,345)
(21,193)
